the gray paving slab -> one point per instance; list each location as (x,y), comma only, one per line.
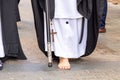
(103,64)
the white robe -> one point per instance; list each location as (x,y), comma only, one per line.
(66,9)
(1,42)
(67,23)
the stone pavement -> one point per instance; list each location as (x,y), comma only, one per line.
(103,64)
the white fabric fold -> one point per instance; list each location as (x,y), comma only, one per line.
(2,54)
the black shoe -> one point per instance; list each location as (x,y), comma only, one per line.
(1,65)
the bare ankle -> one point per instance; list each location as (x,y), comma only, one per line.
(63,59)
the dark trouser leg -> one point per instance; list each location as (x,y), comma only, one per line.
(104,15)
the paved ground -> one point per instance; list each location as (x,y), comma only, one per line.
(115,1)
(103,64)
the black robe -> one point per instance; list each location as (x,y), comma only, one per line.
(11,42)
(90,9)
(17,11)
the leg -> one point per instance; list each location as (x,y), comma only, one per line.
(67,39)
(64,63)
(102,28)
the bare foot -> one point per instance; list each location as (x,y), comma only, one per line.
(64,64)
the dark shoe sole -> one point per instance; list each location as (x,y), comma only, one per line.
(1,67)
